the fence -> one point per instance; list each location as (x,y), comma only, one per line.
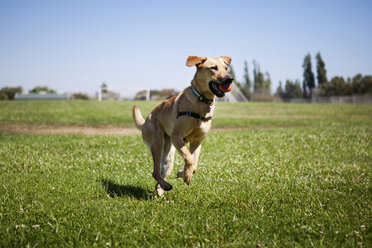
(354,99)
(357,99)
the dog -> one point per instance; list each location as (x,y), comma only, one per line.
(185,118)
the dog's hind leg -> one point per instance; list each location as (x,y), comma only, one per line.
(157,152)
(167,158)
(167,161)
(153,136)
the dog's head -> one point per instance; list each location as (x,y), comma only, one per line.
(212,75)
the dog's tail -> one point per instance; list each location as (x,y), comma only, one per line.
(137,117)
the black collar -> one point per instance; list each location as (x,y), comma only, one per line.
(200,97)
(194,115)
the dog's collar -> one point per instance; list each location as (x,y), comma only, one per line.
(194,115)
(200,97)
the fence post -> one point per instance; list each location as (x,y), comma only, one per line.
(147,95)
(100,94)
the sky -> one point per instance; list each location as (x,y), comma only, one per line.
(74,46)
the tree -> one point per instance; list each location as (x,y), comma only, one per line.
(8,93)
(279,90)
(321,71)
(267,84)
(242,86)
(247,80)
(337,87)
(262,82)
(357,84)
(259,79)
(232,73)
(3,96)
(309,81)
(246,88)
(304,89)
(80,96)
(39,89)
(362,84)
(292,90)
(104,87)
(367,85)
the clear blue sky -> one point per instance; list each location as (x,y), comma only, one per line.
(76,45)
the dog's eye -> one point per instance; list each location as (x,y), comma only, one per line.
(226,68)
(214,68)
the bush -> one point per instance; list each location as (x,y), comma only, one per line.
(3,96)
(362,85)
(292,90)
(8,93)
(339,87)
(260,97)
(336,87)
(38,89)
(80,96)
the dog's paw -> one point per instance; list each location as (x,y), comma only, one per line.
(166,186)
(187,176)
(159,190)
(180,174)
(187,180)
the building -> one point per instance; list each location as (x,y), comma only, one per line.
(42,96)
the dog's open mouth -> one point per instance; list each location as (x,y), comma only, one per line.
(217,88)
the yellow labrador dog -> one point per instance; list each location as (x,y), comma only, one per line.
(185,118)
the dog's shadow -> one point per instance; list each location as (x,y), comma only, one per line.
(116,190)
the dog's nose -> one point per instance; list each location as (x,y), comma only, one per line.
(228,79)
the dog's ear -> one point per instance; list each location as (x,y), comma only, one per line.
(195,60)
(226,59)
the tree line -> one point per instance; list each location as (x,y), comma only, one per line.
(261,83)
(259,88)
(8,93)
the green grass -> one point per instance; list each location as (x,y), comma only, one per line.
(305,185)
(231,115)
(71,112)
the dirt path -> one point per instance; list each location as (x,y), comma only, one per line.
(104,130)
(68,129)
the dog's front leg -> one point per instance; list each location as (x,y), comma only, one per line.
(195,151)
(177,140)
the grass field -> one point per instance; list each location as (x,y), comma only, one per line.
(226,115)
(281,175)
